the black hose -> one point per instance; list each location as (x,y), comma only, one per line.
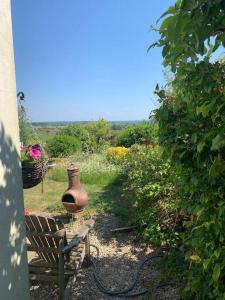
(124,292)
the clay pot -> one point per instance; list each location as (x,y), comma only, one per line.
(75,197)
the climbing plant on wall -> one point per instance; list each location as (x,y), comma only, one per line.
(192,132)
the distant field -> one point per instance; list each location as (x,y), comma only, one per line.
(65,123)
(46,130)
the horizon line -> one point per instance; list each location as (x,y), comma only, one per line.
(86,121)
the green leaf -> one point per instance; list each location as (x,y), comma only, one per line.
(206,263)
(217,252)
(204,110)
(195,258)
(165,50)
(217,168)
(200,146)
(216,272)
(218,142)
(194,138)
(190,4)
(166,23)
(170,11)
(153,45)
(214,116)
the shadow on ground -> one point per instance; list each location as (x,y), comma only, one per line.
(112,200)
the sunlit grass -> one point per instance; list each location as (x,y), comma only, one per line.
(87,177)
(50,199)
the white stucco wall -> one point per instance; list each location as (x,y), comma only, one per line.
(13,264)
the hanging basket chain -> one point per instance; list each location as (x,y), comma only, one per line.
(21,97)
(34,174)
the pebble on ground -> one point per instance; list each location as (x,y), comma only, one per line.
(119,257)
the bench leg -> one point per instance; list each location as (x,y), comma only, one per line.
(61,272)
(87,251)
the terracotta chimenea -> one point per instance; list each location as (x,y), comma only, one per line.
(75,197)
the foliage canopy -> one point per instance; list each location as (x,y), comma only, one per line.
(137,134)
(63,145)
(100,130)
(191,130)
(190,30)
(80,133)
(148,188)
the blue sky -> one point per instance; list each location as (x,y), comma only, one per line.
(86,59)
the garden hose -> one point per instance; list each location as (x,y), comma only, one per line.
(125,292)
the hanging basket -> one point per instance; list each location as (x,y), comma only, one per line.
(34,174)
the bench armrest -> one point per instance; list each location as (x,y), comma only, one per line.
(82,233)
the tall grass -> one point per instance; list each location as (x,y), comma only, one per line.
(89,162)
(94,168)
(87,177)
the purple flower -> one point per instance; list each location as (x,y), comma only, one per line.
(36,147)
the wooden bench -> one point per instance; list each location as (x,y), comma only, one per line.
(59,256)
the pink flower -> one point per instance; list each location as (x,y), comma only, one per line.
(26,212)
(35,153)
(23,148)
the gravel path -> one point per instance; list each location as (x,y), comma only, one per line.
(119,257)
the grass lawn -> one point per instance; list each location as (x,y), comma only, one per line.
(104,191)
(50,200)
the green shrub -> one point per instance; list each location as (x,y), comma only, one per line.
(137,134)
(63,145)
(150,192)
(191,129)
(100,130)
(91,135)
(82,134)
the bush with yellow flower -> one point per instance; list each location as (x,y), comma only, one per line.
(116,154)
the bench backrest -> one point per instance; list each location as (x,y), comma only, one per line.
(45,237)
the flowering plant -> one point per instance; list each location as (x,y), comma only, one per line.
(31,154)
(116,154)
(26,212)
